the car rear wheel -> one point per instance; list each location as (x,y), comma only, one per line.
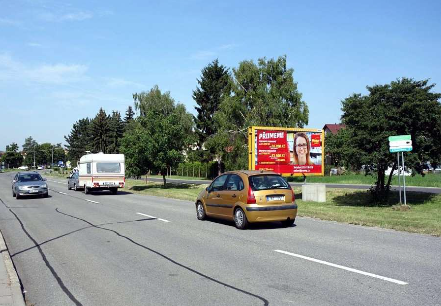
(86,190)
(200,211)
(288,222)
(114,190)
(75,187)
(240,219)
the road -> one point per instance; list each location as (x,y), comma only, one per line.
(127,249)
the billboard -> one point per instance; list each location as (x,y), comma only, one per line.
(288,151)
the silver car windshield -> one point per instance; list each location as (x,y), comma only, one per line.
(30,177)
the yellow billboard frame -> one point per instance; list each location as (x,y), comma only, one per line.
(252,149)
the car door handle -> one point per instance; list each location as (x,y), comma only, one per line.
(218,195)
(234,196)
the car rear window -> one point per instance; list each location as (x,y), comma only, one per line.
(30,177)
(265,182)
(108,167)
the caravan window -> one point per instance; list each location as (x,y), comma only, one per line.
(89,168)
(108,167)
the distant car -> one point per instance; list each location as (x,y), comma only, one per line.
(40,168)
(23,168)
(73,181)
(248,196)
(29,183)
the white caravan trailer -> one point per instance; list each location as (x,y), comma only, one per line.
(101,171)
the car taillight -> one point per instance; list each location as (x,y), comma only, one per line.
(293,196)
(251,198)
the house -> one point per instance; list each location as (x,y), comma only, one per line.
(333,128)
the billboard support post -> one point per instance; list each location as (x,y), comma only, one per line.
(399,174)
(404,178)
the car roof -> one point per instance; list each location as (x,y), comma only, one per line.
(252,172)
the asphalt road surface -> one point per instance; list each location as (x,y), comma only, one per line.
(126,249)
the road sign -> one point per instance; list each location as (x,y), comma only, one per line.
(401,143)
(400,149)
(400,137)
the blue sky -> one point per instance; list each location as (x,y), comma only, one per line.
(61,61)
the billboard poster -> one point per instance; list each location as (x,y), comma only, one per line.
(287,151)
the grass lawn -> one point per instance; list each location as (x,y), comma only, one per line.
(429,180)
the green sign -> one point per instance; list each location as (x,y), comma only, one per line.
(399,137)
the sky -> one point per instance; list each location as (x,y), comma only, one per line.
(61,61)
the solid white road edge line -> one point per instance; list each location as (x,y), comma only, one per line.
(344,268)
(163,220)
(93,201)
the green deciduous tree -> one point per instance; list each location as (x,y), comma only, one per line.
(403,107)
(12,158)
(158,136)
(263,94)
(214,86)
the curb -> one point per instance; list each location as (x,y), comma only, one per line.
(14,282)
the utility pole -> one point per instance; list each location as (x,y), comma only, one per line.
(52,156)
(34,156)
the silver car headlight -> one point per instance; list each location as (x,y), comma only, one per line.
(21,188)
(44,186)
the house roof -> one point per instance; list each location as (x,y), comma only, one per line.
(333,128)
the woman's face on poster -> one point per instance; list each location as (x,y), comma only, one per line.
(301,146)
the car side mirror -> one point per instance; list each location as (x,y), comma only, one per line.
(13,181)
(208,189)
(45,179)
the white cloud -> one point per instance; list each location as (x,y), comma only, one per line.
(78,16)
(119,82)
(203,55)
(9,22)
(11,70)
(36,45)
(58,73)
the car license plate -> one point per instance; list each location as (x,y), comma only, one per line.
(109,184)
(276,198)
(33,191)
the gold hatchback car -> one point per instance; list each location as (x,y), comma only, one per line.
(248,196)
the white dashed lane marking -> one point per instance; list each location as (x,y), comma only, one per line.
(153,217)
(343,267)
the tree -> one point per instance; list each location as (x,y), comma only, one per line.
(12,158)
(130,115)
(100,132)
(116,131)
(30,148)
(403,107)
(264,94)
(214,85)
(79,140)
(159,135)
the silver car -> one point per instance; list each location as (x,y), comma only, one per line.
(73,181)
(29,183)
